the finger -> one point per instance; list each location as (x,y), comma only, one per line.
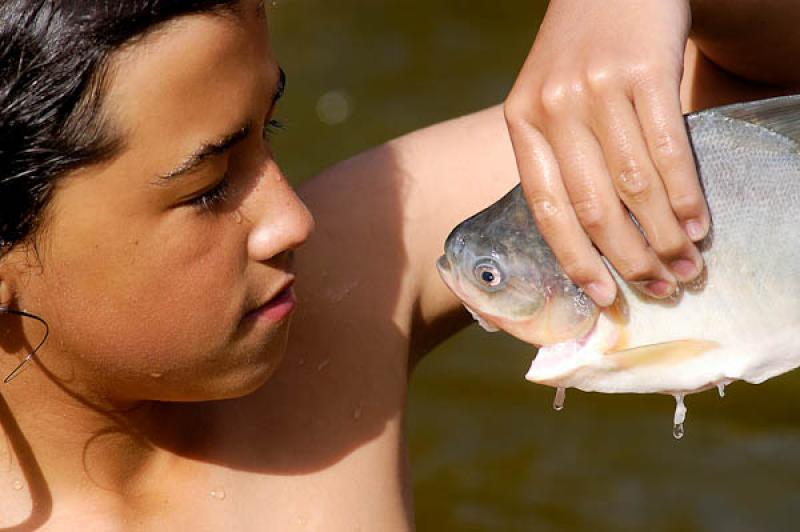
(659,109)
(555,218)
(640,187)
(601,213)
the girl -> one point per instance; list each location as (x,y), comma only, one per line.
(144,219)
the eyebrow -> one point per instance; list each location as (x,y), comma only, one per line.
(210,149)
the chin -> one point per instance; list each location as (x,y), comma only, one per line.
(255,371)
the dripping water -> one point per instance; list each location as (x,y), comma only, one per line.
(679,418)
(558,402)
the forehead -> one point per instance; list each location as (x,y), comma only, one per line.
(191,78)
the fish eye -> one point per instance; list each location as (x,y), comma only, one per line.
(489,275)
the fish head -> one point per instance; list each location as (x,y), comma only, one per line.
(508,278)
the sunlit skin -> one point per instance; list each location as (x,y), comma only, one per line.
(147,297)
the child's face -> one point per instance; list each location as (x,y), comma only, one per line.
(149,281)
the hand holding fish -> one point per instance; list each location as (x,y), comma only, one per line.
(595,121)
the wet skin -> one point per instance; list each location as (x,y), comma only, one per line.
(149,294)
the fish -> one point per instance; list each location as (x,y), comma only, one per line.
(739,321)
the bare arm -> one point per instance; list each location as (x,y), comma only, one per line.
(382,216)
(595,118)
(757,40)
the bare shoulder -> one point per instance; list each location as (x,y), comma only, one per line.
(382,218)
(707,83)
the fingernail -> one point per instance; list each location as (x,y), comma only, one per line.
(695,230)
(600,294)
(685,269)
(659,288)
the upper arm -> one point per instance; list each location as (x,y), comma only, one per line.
(382,218)
(754,40)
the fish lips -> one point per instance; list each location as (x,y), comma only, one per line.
(548,325)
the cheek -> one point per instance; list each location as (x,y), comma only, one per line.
(144,305)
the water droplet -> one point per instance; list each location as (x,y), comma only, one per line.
(237,216)
(324,364)
(156,374)
(301,361)
(18,485)
(558,402)
(218,494)
(721,390)
(357,413)
(679,418)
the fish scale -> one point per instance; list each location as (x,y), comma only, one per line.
(741,322)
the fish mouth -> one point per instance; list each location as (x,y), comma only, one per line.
(554,361)
(443,265)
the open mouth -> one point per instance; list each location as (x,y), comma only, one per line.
(555,360)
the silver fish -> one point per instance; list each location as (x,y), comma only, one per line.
(741,321)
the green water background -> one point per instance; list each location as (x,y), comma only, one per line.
(487,450)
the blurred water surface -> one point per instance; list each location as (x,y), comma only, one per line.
(487,450)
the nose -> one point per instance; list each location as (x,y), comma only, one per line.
(283,223)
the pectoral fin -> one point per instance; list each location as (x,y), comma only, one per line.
(664,353)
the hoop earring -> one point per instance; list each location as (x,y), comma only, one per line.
(29,357)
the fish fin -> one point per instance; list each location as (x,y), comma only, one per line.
(663,353)
(781,114)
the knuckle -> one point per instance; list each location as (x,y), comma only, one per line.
(590,213)
(687,204)
(545,211)
(670,247)
(515,110)
(647,73)
(667,147)
(633,184)
(578,269)
(556,98)
(600,80)
(637,268)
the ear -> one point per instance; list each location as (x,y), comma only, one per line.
(6,291)
(7,281)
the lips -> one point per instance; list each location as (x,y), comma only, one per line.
(277,307)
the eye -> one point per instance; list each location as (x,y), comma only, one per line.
(213,197)
(489,275)
(272,127)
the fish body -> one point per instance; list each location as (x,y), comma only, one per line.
(740,321)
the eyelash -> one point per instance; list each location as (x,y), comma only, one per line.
(213,197)
(272,127)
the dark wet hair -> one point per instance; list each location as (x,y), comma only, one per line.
(53,57)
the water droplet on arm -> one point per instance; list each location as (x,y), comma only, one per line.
(558,402)
(218,494)
(18,484)
(679,418)
(721,390)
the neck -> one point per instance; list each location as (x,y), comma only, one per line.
(61,444)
